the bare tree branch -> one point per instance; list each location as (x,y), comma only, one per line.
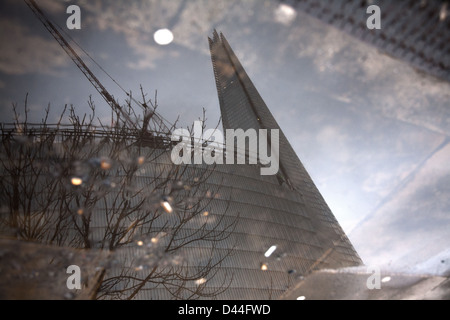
(88,186)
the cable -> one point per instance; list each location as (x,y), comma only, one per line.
(164,121)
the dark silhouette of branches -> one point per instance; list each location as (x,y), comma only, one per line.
(85,185)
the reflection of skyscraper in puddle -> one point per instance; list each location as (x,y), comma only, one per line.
(285,228)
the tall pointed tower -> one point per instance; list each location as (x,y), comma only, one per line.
(242,107)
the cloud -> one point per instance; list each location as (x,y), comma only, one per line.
(383,182)
(23,52)
(384,85)
(53,6)
(136,21)
(412,226)
(413,98)
(190,21)
(336,142)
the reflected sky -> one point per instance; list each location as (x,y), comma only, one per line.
(372,131)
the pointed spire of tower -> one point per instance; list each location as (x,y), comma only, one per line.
(242,107)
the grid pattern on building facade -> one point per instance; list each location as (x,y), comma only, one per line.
(413,31)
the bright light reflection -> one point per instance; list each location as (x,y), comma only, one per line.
(264,267)
(105,164)
(200,281)
(270,251)
(285,14)
(443,12)
(386,279)
(163,37)
(301,298)
(76,181)
(167,206)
